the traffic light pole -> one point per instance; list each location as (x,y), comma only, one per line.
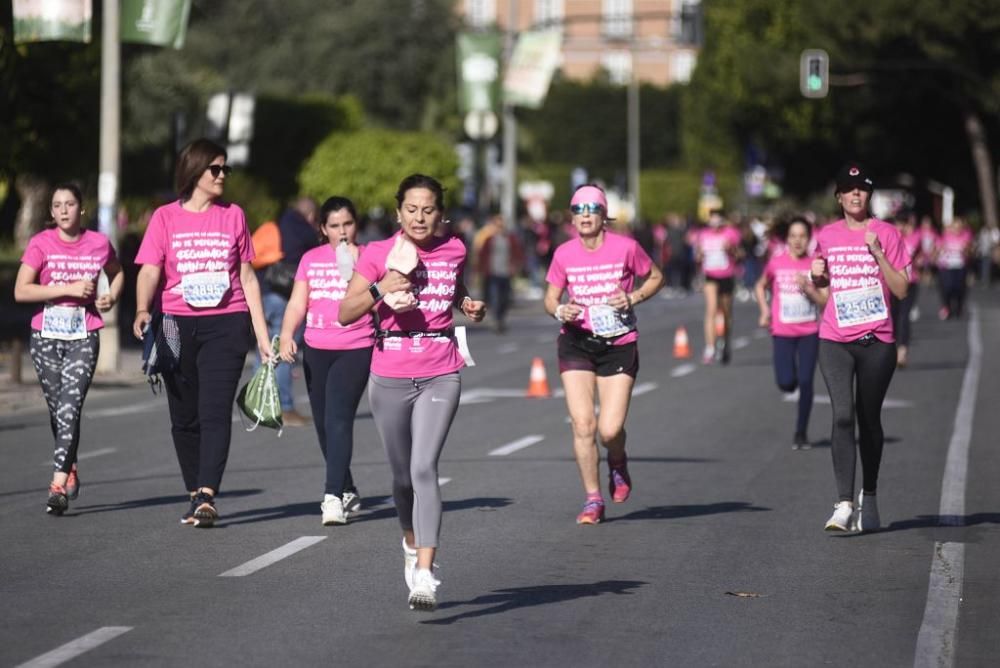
(508,199)
(107,183)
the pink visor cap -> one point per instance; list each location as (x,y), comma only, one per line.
(590,194)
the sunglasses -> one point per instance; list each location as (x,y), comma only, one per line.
(587,207)
(219,169)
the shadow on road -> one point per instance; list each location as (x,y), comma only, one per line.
(370,510)
(696,510)
(179,500)
(504,600)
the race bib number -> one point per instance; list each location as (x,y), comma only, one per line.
(860,306)
(66,323)
(609,322)
(796,308)
(716,260)
(204,289)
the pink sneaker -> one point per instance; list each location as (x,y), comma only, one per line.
(619,481)
(592,513)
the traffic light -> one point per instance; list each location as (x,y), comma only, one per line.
(814,73)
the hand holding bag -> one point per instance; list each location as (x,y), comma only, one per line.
(258,399)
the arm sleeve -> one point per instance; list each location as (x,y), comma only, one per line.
(556,274)
(244,245)
(151,250)
(33,255)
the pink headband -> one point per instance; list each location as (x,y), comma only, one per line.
(590,194)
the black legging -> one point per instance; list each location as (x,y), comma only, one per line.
(857,378)
(901,313)
(952,284)
(336,380)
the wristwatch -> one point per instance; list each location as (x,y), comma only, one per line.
(375,292)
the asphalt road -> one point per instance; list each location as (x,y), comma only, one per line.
(718,559)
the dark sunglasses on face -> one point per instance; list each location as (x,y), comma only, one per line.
(220,169)
(587,207)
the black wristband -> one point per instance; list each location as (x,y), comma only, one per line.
(375,292)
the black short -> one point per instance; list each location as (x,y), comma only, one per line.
(725,285)
(611,362)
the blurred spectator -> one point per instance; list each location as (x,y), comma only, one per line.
(987,244)
(500,259)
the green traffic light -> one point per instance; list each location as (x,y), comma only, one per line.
(815,82)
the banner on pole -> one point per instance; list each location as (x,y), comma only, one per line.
(478,71)
(158,22)
(529,73)
(52,21)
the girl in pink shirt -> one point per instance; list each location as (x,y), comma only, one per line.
(860,262)
(954,249)
(901,308)
(195,258)
(599,271)
(415,386)
(337,357)
(793,318)
(717,248)
(59,272)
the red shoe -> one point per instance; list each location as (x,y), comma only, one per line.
(619,481)
(592,513)
(73,484)
(57,503)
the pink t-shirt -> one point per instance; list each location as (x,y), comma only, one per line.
(792,312)
(952,248)
(859,295)
(201,254)
(438,271)
(318,268)
(716,245)
(592,276)
(61,262)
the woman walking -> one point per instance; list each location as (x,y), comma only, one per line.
(59,271)
(195,258)
(336,358)
(597,348)
(413,280)
(860,262)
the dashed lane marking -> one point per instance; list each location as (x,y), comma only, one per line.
(825,399)
(272,557)
(643,388)
(514,446)
(89,455)
(75,648)
(682,370)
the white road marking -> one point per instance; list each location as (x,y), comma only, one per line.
(936,640)
(643,388)
(125,410)
(514,446)
(825,399)
(443,481)
(482,395)
(89,455)
(75,648)
(682,370)
(740,342)
(273,556)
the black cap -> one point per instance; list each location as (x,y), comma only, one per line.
(853,175)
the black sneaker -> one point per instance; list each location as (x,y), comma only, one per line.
(800,442)
(205,514)
(188,517)
(58,501)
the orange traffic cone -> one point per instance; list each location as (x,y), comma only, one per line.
(538,385)
(682,349)
(720,324)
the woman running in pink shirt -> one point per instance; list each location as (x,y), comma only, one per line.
(598,271)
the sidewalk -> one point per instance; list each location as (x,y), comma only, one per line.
(26,397)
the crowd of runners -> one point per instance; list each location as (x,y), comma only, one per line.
(381,315)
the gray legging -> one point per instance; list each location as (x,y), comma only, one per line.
(857,378)
(65,369)
(413,416)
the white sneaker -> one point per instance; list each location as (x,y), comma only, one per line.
(423,594)
(867,519)
(841,518)
(352,502)
(409,564)
(333,511)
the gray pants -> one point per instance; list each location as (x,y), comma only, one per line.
(857,378)
(413,416)
(65,369)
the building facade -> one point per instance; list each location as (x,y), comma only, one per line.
(657,40)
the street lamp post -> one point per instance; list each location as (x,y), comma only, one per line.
(107,183)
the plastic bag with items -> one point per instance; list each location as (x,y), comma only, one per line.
(258,399)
